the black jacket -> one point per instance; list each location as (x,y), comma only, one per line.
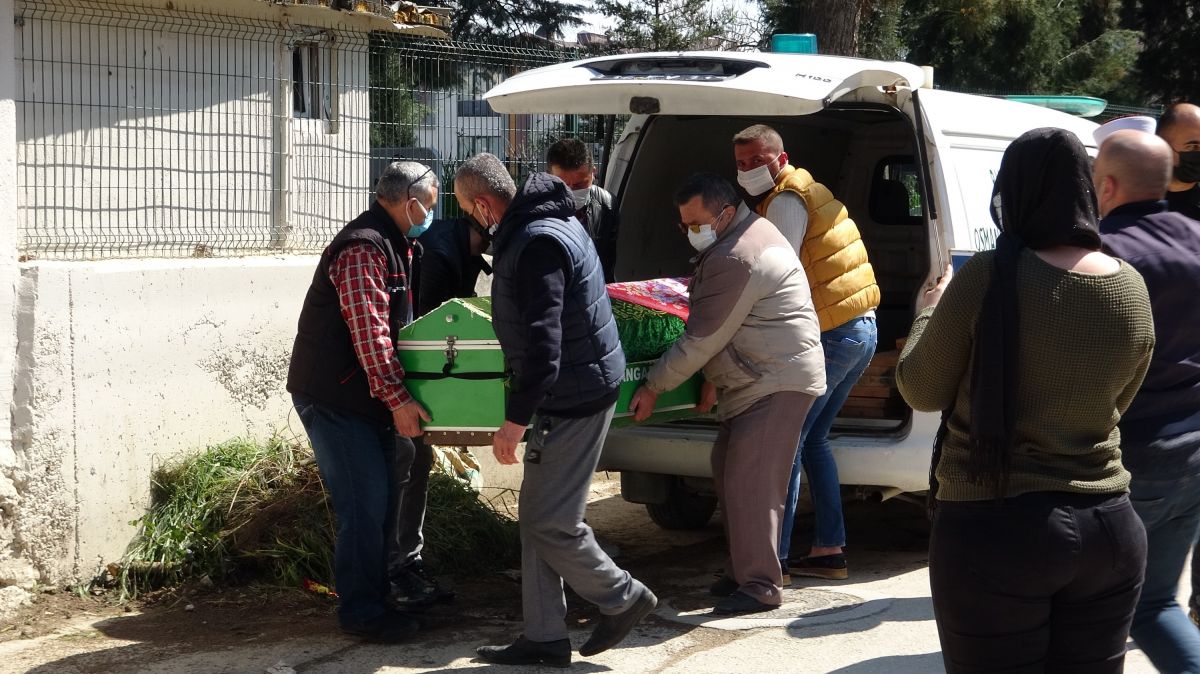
(602,222)
(448,269)
(1165,248)
(550,308)
(1186,202)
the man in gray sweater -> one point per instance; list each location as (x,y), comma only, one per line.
(753,331)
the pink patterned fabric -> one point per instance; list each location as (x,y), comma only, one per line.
(662,294)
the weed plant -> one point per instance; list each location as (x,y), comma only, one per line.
(257,512)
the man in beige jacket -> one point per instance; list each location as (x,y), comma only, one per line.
(753,331)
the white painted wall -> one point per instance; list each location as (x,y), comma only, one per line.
(148,115)
(14,570)
(151,131)
(128,364)
(330,164)
(125,364)
(108,368)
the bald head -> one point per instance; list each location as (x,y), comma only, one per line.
(1180,127)
(1178,114)
(1132,166)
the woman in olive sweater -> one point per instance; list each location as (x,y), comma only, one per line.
(1033,353)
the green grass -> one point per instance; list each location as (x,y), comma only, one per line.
(257,512)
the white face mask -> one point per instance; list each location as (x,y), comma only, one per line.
(756,181)
(581,197)
(702,239)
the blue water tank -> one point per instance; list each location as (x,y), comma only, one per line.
(794,43)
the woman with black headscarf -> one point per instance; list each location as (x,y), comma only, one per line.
(1033,353)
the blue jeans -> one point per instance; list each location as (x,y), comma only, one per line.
(1170,509)
(355,456)
(848,350)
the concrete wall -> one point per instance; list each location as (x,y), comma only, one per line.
(139,124)
(135,124)
(14,571)
(124,365)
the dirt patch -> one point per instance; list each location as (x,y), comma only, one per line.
(248,629)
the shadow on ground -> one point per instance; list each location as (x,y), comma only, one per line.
(222,635)
(924,663)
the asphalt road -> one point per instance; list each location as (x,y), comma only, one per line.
(879,621)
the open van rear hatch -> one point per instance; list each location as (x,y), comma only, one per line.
(687,83)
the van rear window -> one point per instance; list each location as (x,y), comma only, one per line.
(671,68)
(896,192)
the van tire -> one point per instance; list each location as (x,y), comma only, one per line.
(684,509)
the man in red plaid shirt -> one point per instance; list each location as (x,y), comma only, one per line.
(348,389)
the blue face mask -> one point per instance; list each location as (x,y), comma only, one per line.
(417,230)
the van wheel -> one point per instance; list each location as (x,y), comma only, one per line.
(684,509)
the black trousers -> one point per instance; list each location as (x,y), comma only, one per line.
(1043,582)
(408,471)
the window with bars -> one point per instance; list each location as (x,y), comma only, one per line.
(311,81)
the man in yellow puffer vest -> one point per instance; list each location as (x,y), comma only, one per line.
(845,295)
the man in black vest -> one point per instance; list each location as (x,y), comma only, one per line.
(551,313)
(1160,432)
(348,389)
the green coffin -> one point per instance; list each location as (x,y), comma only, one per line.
(674,404)
(455,369)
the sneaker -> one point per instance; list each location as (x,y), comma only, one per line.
(526,652)
(441,595)
(611,629)
(740,603)
(414,589)
(787,578)
(829,567)
(390,628)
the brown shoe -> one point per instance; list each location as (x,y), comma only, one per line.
(829,567)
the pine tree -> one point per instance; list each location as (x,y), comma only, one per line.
(1168,68)
(509,20)
(662,25)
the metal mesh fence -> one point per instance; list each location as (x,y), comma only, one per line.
(163,133)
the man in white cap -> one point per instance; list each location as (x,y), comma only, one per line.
(1134,122)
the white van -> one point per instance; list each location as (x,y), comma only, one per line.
(914,167)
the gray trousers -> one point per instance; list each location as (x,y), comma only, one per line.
(752,463)
(556,545)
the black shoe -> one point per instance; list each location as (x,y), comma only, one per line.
(738,603)
(389,628)
(723,587)
(611,629)
(829,567)
(414,589)
(526,652)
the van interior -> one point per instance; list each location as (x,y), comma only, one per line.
(865,155)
